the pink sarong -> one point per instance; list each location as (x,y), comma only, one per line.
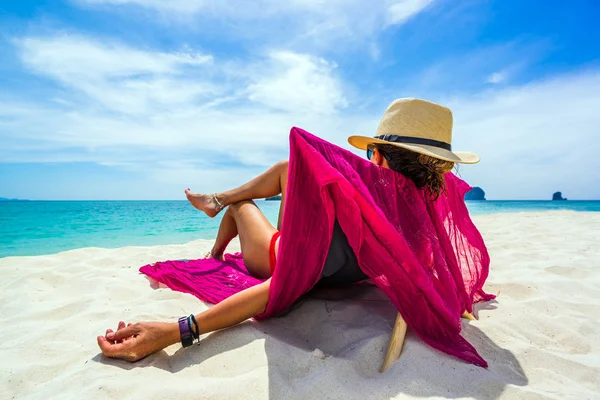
(427,256)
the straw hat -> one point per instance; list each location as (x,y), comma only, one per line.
(417,125)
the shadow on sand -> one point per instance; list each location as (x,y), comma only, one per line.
(351,327)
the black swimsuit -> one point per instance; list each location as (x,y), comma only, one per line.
(341,266)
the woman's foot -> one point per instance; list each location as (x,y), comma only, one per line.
(206,203)
(215,255)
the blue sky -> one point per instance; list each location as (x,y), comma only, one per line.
(139,99)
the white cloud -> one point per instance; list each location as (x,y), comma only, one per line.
(400,11)
(466,71)
(129,81)
(118,77)
(497,77)
(65,56)
(298,83)
(314,24)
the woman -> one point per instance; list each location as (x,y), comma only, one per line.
(413,139)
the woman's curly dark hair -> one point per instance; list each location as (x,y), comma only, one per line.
(425,171)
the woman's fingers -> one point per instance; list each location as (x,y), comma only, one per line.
(111,335)
(120,326)
(126,332)
(114,350)
(105,345)
(108,333)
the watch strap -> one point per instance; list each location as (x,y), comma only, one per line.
(187,338)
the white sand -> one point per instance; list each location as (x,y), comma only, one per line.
(540,338)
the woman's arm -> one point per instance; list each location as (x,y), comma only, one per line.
(234,309)
(139,340)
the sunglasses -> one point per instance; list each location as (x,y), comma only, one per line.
(370,149)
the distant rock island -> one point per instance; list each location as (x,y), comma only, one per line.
(476,193)
(5,199)
(558,196)
(274,198)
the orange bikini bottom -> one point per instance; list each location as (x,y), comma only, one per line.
(272,255)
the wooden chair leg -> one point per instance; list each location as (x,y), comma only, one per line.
(396,342)
(469,316)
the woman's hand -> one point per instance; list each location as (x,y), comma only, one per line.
(136,341)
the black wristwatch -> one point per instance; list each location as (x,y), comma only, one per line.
(187,338)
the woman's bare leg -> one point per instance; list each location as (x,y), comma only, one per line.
(270,183)
(283,183)
(246,220)
(227,231)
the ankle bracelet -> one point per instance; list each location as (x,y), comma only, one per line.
(218,203)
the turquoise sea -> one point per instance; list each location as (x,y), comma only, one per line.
(45,227)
